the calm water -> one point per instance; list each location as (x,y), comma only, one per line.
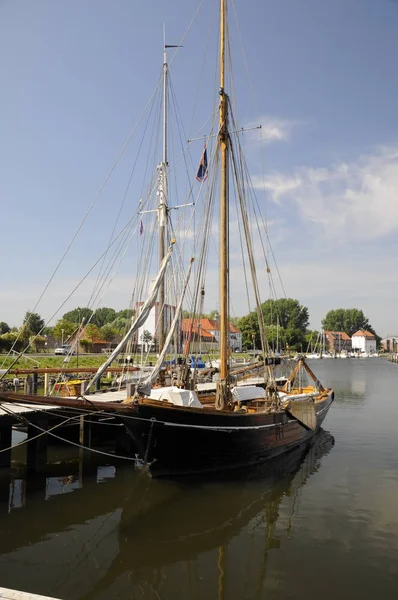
(322,523)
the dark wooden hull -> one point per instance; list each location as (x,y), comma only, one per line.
(183,441)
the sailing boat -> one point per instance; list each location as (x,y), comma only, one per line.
(185,429)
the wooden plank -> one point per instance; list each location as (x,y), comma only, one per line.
(53,370)
(7,594)
(23,408)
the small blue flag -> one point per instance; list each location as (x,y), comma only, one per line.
(201,175)
(141,227)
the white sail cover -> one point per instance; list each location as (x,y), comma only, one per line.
(176,396)
(245,393)
(145,386)
(139,320)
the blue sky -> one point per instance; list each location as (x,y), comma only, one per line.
(76,76)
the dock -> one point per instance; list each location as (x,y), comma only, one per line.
(6,594)
(86,430)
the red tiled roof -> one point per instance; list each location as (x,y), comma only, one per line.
(341,334)
(186,325)
(206,325)
(363,333)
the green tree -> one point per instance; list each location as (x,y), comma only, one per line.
(287,313)
(32,323)
(295,339)
(4,327)
(63,329)
(125,313)
(286,320)
(120,324)
(77,315)
(37,342)
(92,332)
(109,332)
(311,338)
(9,340)
(348,320)
(103,316)
(248,326)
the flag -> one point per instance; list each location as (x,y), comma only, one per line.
(201,175)
(141,227)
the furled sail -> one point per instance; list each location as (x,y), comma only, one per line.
(145,386)
(139,320)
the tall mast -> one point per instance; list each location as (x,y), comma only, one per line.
(162,191)
(224,224)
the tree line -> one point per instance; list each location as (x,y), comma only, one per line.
(102,324)
(287,323)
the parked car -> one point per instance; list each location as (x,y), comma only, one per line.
(64,350)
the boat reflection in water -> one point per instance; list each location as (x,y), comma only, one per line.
(131,536)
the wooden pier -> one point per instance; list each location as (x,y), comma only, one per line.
(6,594)
(82,429)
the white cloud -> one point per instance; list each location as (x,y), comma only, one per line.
(273,129)
(355,201)
(278,184)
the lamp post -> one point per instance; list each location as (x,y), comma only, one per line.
(62,337)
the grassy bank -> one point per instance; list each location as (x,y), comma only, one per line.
(82,360)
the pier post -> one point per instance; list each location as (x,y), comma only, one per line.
(123,442)
(81,430)
(5,485)
(46,383)
(5,443)
(28,385)
(85,465)
(35,381)
(36,451)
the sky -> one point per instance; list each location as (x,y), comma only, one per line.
(320,77)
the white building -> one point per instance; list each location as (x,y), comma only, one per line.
(234,338)
(363,341)
(151,324)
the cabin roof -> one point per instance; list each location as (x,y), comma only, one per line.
(363,333)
